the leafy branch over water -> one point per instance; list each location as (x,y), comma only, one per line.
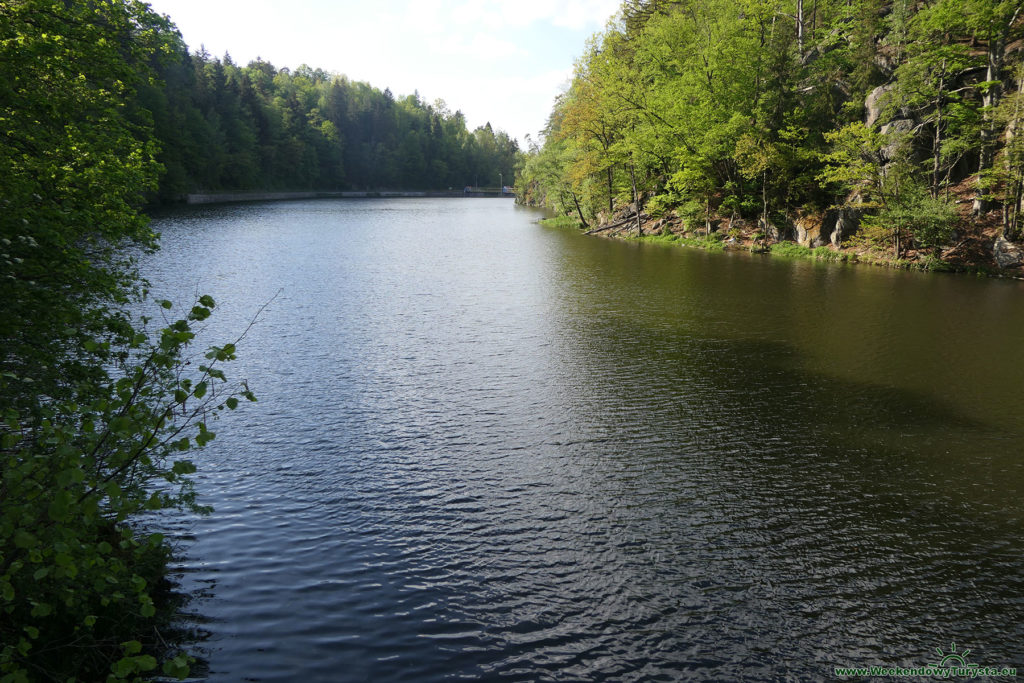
(77,578)
(97,411)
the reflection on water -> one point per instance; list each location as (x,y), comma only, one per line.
(487,449)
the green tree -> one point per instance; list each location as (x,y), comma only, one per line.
(997,23)
(876,171)
(1004,181)
(96,409)
(927,90)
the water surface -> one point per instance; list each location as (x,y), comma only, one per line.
(487,449)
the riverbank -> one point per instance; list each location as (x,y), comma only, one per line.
(233,197)
(975,251)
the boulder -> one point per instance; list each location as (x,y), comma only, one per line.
(874,103)
(841,224)
(775,233)
(808,228)
(1007,254)
(898,132)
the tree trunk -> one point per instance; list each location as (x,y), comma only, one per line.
(611,192)
(814,18)
(937,139)
(1012,205)
(1018,206)
(636,198)
(800,28)
(993,72)
(764,206)
(579,211)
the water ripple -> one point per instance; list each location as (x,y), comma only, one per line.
(485,450)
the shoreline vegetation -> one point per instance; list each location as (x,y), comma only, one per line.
(878,131)
(718,241)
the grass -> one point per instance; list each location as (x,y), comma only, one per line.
(823,253)
(791,250)
(929,263)
(560,222)
(710,242)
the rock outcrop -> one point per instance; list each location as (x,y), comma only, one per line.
(776,233)
(875,103)
(832,227)
(1007,254)
(811,230)
(844,222)
(897,131)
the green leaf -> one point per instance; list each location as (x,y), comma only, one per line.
(177,667)
(41,609)
(59,506)
(199,313)
(145,662)
(23,539)
(183,467)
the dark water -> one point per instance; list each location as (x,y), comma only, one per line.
(485,449)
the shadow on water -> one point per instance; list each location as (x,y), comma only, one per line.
(859,506)
(869,519)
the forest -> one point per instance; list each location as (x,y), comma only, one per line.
(221,126)
(884,127)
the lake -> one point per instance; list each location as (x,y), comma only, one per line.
(488,449)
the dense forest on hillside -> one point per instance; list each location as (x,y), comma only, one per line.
(221,126)
(884,125)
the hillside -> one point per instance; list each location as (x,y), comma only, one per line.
(883,129)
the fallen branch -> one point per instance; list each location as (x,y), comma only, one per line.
(617,224)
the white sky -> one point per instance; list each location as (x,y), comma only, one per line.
(498,61)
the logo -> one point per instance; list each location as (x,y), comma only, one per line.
(951,665)
(954,659)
